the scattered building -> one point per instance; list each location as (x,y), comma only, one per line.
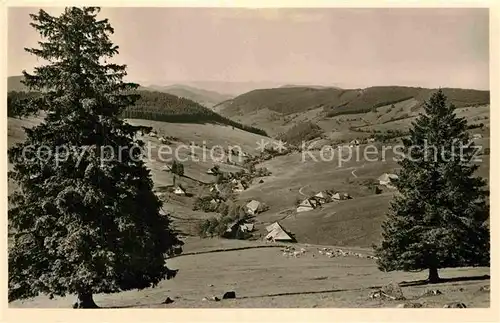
(238,187)
(340,196)
(387,179)
(253,207)
(307,205)
(179,190)
(477,136)
(237,229)
(322,197)
(213,171)
(232,226)
(215,188)
(354,142)
(278,234)
(215,201)
(247,227)
(273,226)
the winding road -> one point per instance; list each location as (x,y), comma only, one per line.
(300,190)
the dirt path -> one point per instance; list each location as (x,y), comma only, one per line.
(300,190)
(355,169)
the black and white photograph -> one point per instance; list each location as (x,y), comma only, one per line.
(181,157)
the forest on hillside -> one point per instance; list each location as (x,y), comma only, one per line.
(336,101)
(152,105)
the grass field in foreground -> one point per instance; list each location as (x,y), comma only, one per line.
(265,278)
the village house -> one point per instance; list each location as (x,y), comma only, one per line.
(321,197)
(252,207)
(179,190)
(387,179)
(213,171)
(238,187)
(308,204)
(278,234)
(340,196)
(215,188)
(354,142)
(247,227)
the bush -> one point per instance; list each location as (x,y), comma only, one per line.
(177,168)
(217,226)
(262,172)
(204,203)
(475,125)
(223,209)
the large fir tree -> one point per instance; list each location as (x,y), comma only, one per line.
(438,218)
(85,219)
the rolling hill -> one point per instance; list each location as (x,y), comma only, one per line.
(158,106)
(260,272)
(14,84)
(277,109)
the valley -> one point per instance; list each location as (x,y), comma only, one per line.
(261,277)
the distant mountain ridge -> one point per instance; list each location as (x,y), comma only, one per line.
(204,97)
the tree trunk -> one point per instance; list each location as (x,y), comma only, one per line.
(433,276)
(85,300)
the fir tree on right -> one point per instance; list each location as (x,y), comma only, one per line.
(438,217)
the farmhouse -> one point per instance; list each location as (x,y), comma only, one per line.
(253,207)
(387,179)
(307,205)
(179,190)
(354,142)
(215,201)
(215,188)
(236,229)
(477,136)
(340,196)
(278,234)
(213,171)
(233,227)
(238,187)
(273,226)
(247,227)
(321,197)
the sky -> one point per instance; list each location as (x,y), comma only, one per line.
(350,48)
